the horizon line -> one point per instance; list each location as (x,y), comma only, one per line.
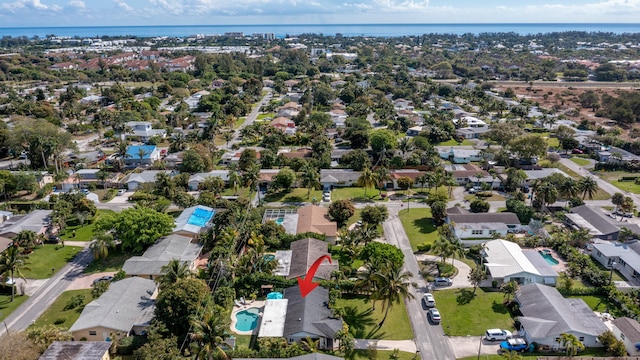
(323,24)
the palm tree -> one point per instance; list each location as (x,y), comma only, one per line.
(367,179)
(250,178)
(571,343)
(172,272)
(228,136)
(548,193)
(509,289)
(309,178)
(141,154)
(569,188)
(100,246)
(617,199)
(476,275)
(208,334)
(310,344)
(121,153)
(393,286)
(442,247)
(13,261)
(26,239)
(234,177)
(405,145)
(588,186)
(382,177)
(511,355)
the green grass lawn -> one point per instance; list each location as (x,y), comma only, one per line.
(7,306)
(382,355)
(600,195)
(580,161)
(600,303)
(83,232)
(465,314)
(357,193)
(355,217)
(295,195)
(113,262)
(48,257)
(242,191)
(265,115)
(493,197)
(419,226)
(56,312)
(453,142)
(586,353)
(613,177)
(629,186)
(363,321)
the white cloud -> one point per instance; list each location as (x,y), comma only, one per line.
(76,4)
(123,5)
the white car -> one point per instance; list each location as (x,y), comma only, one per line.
(497,334)
(121,192)
(429,300)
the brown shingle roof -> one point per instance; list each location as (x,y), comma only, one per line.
(314,219)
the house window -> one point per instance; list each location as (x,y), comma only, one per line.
(557,339)
(581,338)
(491,232)
(93,333)
(476,232)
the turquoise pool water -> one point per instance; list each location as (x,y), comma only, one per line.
(279,221)
(269,257)
(200,217)
(247,320)
(548,258)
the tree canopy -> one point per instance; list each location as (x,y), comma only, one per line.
(136,227)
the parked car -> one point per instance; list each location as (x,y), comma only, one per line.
(442,281)
(514,344)
(473,190)
(52,239)
(121,192)
(434,315)
(577,151)
(625,214)
(497,334)
(85,191)
(429,300)
(106,278)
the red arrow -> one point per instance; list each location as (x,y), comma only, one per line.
(307,285)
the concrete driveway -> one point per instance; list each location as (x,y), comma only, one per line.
(467,346)
(121,199)
(85,281)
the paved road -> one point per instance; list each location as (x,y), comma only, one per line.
(430,339)
(31,309)
(250,119)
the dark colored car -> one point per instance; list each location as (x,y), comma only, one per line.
(52,239)
(104,278)
(514,344)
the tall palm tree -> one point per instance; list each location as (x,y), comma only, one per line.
(172,272)
(100,246)
(367,179)
(250,178)
(569,188)
(26,239)
(121,153)
(13,261)
(443,248)
(512,355)
(208,334)
(234,177)
(393,286)
(547,193)
(382,177)
(571,343)
(309,178)
(588,186)
(228,136)
(405,145)
(141,154)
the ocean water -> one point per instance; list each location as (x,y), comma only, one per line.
(379,30)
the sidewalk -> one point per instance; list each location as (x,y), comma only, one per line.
(402,345)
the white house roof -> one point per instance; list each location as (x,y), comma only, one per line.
(172,247)
(543,173)
(127,303)
(622,251)
(34,221)
(200,177)
(273,318)
(504,258)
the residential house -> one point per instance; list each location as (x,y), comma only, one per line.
(304,253)
(403,104)
(546,315)
(469,127)
(412,174)
(301,153)
(136,180)
(533,175)
(337,154)
(171,247)
(616,155)
(483,178)
(142,131)
(36,221)
(415,130)
(330,178)
(284,124)
(599,225)
(290,84)
(125,309)
(624,257)
(338,116)
(505,261)
(196,179)
(5,243)
(86,176)
(462,173)
(310,317)
(42,177)
(173,160)
(193,220)
(483,225)
(628,330)
(289,110)
(315,219)
(141,155)
(77,350)
(458,155)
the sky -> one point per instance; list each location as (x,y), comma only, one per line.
(42,13)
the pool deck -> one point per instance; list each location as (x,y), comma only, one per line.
(255,304)
(561,266)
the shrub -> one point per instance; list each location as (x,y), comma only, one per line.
(424,247)
(74,302)
(59,320)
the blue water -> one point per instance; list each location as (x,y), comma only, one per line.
(279,221)
(247,320)
(200,217)
(548,258)
(383,30)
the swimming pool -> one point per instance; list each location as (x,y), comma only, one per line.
(200,217)
(548,257)
(247,320)
(279,221)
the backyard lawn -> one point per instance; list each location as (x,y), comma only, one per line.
(295,195)
(580,161)
(47,257)
(419,226)
(7,306)
(465,314)
(363,321)
(242,191)
(355,193)
(83,232)
(494,197)
(56,313)
(453,142)
(113,262)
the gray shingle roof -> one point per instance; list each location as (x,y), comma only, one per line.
(161,253)
(76,350)
(127,303)
(147,176)
(338,175)
(629,327)
(34,221)
(304,253)
(476,218)
(310,314)
(547,313)
(593,218)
